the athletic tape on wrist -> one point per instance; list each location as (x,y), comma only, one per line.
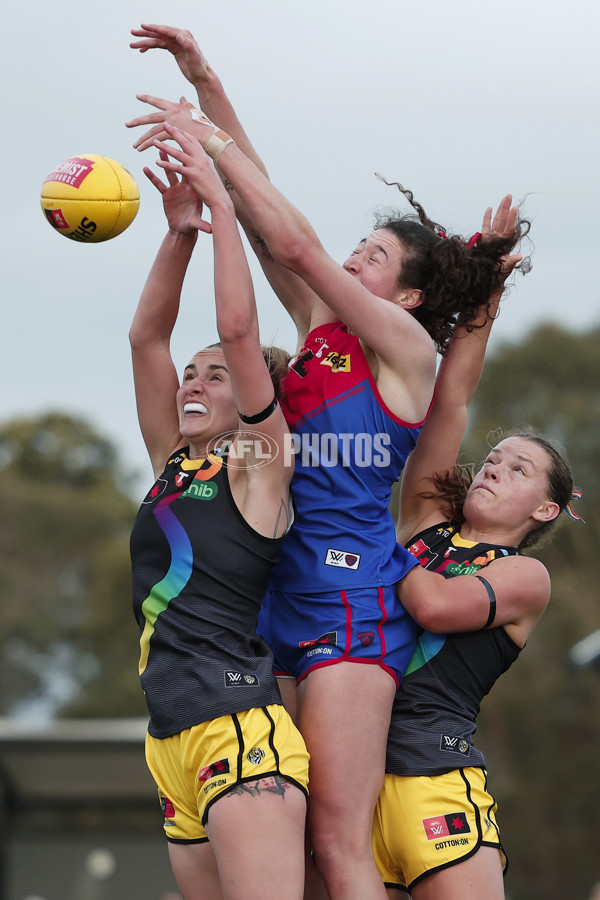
(216,144)
(217,141)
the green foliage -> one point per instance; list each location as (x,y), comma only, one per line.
(67,630)
(64,533)
(540,727)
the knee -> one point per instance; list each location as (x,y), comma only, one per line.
(336,847)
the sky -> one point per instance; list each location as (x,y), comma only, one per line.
(462,102)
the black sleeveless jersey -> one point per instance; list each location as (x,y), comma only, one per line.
(436,706)
(199,576)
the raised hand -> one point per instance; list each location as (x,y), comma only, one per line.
(182,204)
(177,113)
(183,115)
(191,162)
(177,41)
(503,225)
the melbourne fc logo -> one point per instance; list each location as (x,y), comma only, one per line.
(248,450)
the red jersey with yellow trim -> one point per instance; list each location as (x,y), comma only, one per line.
(349,450)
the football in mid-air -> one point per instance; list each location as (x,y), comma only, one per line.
(90,198)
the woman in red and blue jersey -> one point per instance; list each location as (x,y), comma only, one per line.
(357,393)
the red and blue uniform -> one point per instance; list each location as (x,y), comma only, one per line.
(331,596)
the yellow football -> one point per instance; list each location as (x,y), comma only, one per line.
(90,198)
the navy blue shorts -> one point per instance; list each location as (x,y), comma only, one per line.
(364,625)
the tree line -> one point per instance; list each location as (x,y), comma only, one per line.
(69,640)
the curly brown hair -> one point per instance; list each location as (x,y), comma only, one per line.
(456,278)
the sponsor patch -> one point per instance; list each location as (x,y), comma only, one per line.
(72,171)
(342,559)
(443,826)
(201,490)
(330,637)
(56,217)
(168,810)
(421,551)
(337,362)
(214,784)
(451,743)
(239,679)
(221,767)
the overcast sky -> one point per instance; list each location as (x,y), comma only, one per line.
(461,101)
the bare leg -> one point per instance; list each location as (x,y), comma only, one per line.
(476,877)
(314,889)
(344,717)
(257,832)
(289,691)
(195,870)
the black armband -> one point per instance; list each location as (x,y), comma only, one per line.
(492,596)
(261,416)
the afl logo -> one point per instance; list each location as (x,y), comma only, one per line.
(248,450)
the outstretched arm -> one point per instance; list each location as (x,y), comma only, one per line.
(400,343)
(521,587)
(237,324)
(294,294)
(458,376)
(155,376)
(195,68)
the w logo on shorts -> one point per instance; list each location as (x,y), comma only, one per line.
(443,826)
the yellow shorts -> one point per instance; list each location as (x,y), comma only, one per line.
(423,824)
(194,768)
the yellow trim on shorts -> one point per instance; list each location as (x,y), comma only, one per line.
(194,768)
(426,823)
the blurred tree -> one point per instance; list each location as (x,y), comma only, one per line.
(67,632)
(540,727)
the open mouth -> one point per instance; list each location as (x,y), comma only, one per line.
(194,409)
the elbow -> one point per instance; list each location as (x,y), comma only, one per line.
(135,338)
(294,250)
(426,615)
(236,330)
(416,592)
